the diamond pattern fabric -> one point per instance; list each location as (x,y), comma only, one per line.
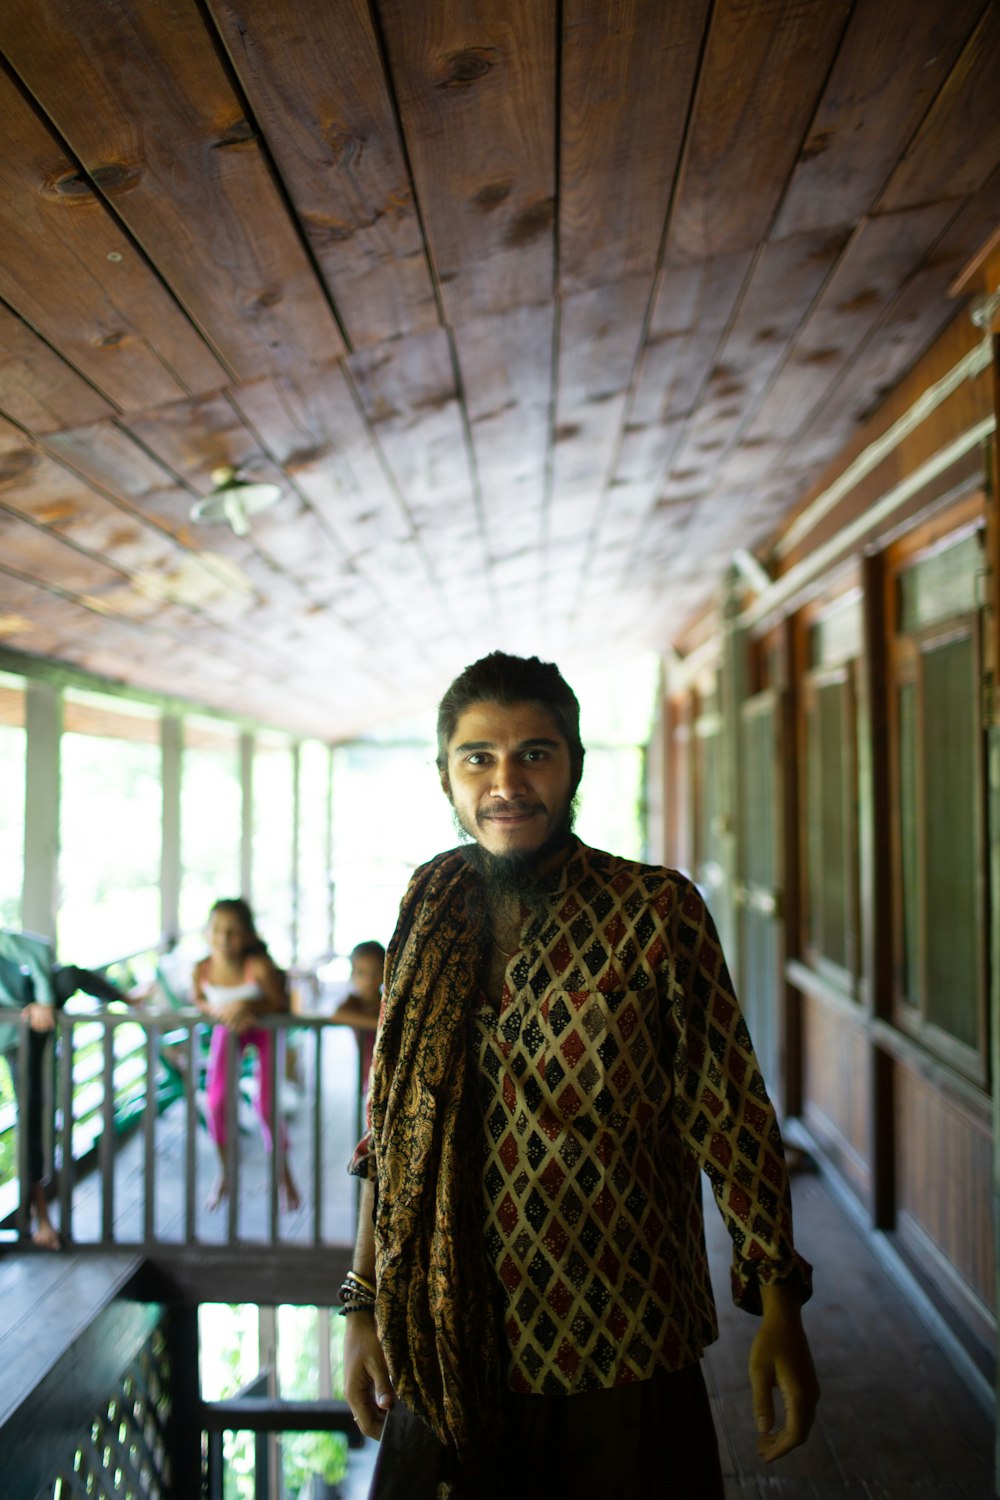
(615,1066)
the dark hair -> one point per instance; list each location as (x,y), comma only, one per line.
(370,948)
(240,909)
(506,680)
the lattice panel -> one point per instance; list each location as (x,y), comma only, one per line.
(125,1455)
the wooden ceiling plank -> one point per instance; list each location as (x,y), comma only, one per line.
(408,394)
(67,630)
(313,73)
(313,427)
(71,273)
(955,151)
(600,336)
(476,86)
(38,389)
(763,72)
(893,60)
(880,256)
(233,583)
(628,71)
(693,306)
(107,456)
(142,98)
(787,278)
(192,438)
(506,369)
(904,329)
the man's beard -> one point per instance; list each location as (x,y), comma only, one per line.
(517,875)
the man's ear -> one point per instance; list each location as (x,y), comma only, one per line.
(445,783)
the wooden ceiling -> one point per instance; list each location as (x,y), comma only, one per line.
(535,310)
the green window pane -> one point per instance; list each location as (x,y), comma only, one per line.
(908,841)
(951,925)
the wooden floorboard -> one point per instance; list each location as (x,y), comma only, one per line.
(895,1420)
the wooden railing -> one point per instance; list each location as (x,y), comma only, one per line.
(146,1069)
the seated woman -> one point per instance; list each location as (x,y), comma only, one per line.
(235,984)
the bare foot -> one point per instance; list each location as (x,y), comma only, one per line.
(218,1195)
(290,1193)
(46,1236)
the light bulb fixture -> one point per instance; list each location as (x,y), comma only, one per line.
(234,500)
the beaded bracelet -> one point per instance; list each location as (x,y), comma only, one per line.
(356,1295)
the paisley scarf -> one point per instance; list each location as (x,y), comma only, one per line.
(436,1313)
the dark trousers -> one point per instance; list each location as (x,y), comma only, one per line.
(66,980)
(654,1440)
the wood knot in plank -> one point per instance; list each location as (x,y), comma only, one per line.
(491,195)
(15,465)
(346,146)
(306,458)
(71,185)
(467,67)
(532,223)
(116,177)
(264,301)
(240,133)
(816,145)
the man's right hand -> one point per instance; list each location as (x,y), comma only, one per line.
(40,1017)
(367,1386)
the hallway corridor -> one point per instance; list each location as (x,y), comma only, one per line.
(895,1422)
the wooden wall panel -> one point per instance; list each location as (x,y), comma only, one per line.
(835,1087)
(944,1163)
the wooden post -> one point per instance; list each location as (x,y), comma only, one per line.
(171,750)
(874,797)
(733,691)
(993,540)
(185,1422)
(43,723)
(246,833)
(790,1044)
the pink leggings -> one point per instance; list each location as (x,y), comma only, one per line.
(264,1042)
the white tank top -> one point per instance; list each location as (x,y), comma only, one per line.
(226,994)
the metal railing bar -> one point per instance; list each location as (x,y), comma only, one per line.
(149,1143)
(317,1136)
(107,1142)
(277,1126)
(275,1414)
(23,1170)
(191,1133)
(232,1146)
(67,1165)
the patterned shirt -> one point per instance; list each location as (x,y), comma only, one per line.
(615,1065)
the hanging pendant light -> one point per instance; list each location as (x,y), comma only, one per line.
(234,500)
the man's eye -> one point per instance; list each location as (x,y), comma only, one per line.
(532,755)
(476,759)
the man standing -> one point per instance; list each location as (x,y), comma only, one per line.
(560,1052)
